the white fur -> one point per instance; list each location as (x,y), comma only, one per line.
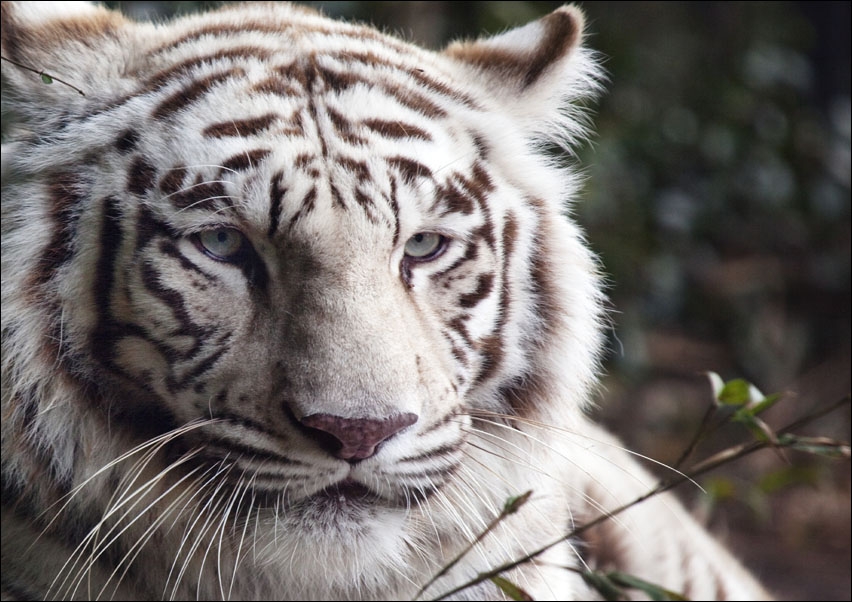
(338,316)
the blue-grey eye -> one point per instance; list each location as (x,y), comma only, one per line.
(222,243)
(424,245)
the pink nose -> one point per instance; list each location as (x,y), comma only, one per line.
(354,439)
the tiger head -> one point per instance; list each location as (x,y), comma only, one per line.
(308,271)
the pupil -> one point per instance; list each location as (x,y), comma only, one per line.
(222,236)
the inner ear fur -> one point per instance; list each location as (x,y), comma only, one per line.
(521,58)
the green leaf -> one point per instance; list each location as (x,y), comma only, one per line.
(787,476)
(655,592)
(821,446)
(604,585)
(758,427)
(720,488)
(46,78)
(513,504)
(766,403)
(736,392)
(510,589)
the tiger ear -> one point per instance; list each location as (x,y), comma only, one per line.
(47,43)
(534,69)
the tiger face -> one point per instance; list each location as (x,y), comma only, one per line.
(311,250)
(327,289)
(273,277)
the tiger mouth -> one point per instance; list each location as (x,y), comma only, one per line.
(352,496)
(343,505)
(347,493)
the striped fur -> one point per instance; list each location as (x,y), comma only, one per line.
(255,217)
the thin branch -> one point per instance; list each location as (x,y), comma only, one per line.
(511,506)
(711,463)
(45,77)
(701,433)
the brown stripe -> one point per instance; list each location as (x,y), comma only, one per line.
(294,74)
(187,379)
(366,203)
(278,87)
(491,350)
(547,303)
(404,69)
(173,180)
(109,243)
(306,207)
(484,286)
(394,205)
(65,194)
(407,96)
(303,161)
(454,200)
(240,128)
(174,301)
(184,68)
(459,326)
(479,185)
(276,199)
(442,88)
(396,129)
(312,110)
(470,254)
(222,30)
(244,161)
(460,355)
(415,101)
(409,169)
(492,346)
(344,128)
(168,248)
(141,177)
(337,80)
(337,198)
(204,195)
(307,204)
(127,141)
(193,92)
(359,168)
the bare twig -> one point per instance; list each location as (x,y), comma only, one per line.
(511,506)
(45,77)
(715,461)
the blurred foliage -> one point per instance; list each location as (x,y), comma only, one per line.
(720,189)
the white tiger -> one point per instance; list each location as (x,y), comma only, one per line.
(290,309)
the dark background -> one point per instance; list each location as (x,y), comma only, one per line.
(718,197)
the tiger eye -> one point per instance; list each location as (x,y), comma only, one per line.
(424,246)
(222,243)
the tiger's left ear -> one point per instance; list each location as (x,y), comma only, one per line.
(534,69)
(80,43)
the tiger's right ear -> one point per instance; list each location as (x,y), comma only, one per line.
(533,70)
(77,42)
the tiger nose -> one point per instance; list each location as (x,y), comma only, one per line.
(354,439)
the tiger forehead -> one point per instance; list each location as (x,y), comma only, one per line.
(324,115)
(297,58)
(256,173)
